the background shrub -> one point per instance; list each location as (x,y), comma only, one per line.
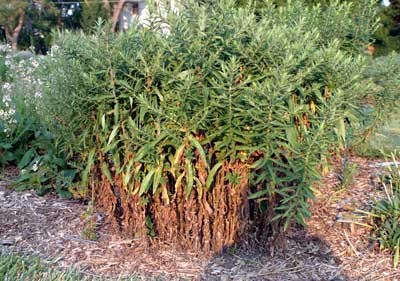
(379,115)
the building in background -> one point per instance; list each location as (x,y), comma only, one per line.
(131,10)
(137,9)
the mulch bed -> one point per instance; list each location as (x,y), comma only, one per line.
(330,248)
(336,221)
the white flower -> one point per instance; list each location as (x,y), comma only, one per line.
(7,86)
(35,63)
(25,86)
(35,166)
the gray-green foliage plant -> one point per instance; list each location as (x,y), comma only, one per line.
(212,85)
(380,112)
(383,73)
(385,214)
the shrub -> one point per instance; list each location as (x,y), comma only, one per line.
(209,126)
(383,73)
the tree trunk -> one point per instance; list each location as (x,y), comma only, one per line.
(13,35)
(116,12)
(107,6)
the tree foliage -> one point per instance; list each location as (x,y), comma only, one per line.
(12,17)
(388,35)
(26,21)
(91,12)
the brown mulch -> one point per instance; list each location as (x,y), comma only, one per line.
(331,248)
(337,221)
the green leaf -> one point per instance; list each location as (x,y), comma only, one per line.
(27,158)
(23,177)
(291,134)
(5,145)
(88,168)
(113,134)
(64,193)
(259,163)
(128,173)
(189,179)
(106,172)
(144,187)
(211,175)
(200,149)
(69,173)
(59,162)
(157,177)
(116,113)
(103,122)
(259,194)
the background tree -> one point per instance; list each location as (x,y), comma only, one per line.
(92,11)
(41,18)
(71,13)
(117,8)
(12,18)
(27,23)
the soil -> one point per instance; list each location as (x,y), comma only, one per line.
(333,246)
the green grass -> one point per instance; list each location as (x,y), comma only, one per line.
(17,268)
(388,137)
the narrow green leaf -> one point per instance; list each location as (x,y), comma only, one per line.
(27,158)
(200,149)
(116,113)
(113,134)
(259,194)
(189,179)
(258,164)
(211,175)
(291,134)
(157,177)
(103,122)
(144,187)
(90,162)
(106,172)
(128,173)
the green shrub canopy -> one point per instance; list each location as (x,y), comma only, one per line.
(209,104)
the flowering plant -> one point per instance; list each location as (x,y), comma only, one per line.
(20,90)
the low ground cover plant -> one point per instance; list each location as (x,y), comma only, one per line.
(385,214)
(20,268)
